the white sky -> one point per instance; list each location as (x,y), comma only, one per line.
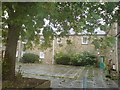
(71,31)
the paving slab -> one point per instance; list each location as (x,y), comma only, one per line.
(64,76)
(50,70)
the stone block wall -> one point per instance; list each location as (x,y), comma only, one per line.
(48,54)
(76,45)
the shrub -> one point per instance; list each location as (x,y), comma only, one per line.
(62,58)
(91,59)
(29,58)
(84,58)
(78,59)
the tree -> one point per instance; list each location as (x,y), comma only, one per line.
(15,21)
(24,19)
(104,43)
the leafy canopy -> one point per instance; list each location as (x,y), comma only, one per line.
(66,15)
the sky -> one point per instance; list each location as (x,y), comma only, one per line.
(71,31)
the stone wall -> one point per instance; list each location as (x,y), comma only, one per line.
(48,54)
(76,45)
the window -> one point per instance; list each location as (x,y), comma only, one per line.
(41,54)
(22,53)
(59,41)
(84,40)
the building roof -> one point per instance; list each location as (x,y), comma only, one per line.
(96,31)
(72,32)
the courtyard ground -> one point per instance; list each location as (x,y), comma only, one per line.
(64,76)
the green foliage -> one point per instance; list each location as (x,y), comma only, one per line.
(68,42)
(110,41)
(62,58)
(29,58)
(57,13)
(78,59)
(84,58)
(32,19)
(60,45)
(104,43)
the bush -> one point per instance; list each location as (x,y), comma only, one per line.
(84,58)
(29,58)
(78,59)
(62,58)
(90,58)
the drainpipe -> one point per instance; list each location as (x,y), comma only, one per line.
(118,52)
(53,52)
(19,50)
(116,48)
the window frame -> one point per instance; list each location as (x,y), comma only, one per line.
(86,42)
(42,55)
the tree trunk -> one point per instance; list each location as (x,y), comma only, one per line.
(10,53)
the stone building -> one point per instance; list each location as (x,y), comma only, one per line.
(79,43)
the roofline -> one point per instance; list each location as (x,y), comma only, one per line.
(86,34)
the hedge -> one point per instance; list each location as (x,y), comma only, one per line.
(78,59)
(29,58)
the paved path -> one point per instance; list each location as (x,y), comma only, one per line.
(64,76)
